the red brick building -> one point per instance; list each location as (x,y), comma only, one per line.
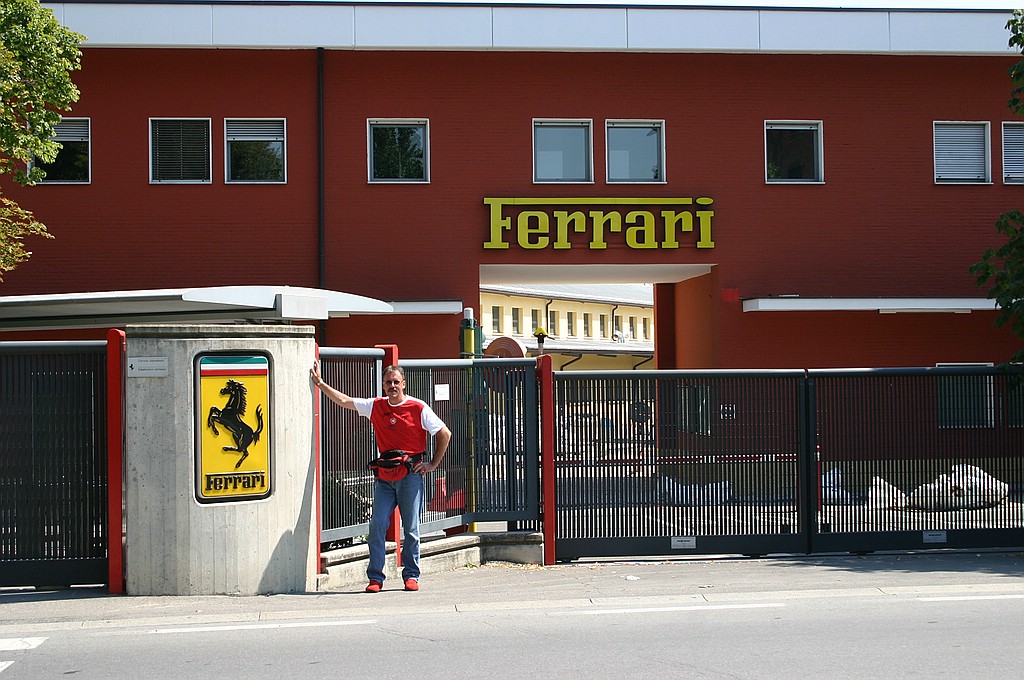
(807,187)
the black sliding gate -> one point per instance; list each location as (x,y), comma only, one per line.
(756,462)
(53,466)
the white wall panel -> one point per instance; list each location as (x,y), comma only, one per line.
(724,30)
(422,27)
(440,27)
(283,26)
(824,31)
(549,28)
(150,25)
(950,32)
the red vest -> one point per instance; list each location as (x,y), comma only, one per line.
(399,427)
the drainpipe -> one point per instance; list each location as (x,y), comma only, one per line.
(571,361)
(321,218)
(612,320)
(636,366)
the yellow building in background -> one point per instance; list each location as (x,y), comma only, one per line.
(588,326)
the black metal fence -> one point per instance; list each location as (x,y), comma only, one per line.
(753,462)
(346,444)
(491,468)
(53,466)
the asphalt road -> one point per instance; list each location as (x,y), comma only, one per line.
(879,616)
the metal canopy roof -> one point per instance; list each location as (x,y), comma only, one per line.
(222,304)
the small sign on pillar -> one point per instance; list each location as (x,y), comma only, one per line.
(233,457)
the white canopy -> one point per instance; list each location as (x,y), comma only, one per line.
(219,304)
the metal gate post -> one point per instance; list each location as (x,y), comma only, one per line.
(807,463)
(115,456)
(545,375)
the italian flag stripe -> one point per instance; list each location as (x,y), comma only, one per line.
(233,366)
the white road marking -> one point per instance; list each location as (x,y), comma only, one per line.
(687,608)
(5,664)
(967,598)
(260,626)
(13,644)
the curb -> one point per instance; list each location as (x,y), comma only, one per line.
(347,566)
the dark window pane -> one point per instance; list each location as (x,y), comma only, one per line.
(256,161)
(793,155)
(398,152)
(71,164)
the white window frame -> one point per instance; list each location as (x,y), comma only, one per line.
(1013,153)
(818,127)
(209,158)
(64,131)
(398,122)
(660,124)
(588,125)
(230,136)
(497,319)
(943,172)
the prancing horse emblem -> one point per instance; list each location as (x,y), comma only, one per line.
(231,418)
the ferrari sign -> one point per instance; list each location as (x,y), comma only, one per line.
(233,438)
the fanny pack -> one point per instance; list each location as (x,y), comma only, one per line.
(393,465)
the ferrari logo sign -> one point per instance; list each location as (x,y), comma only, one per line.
(233,438)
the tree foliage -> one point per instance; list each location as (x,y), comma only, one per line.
(1002,268)
(37,56)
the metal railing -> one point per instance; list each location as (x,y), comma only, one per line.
(490,472)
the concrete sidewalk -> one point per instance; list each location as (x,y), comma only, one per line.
(497,586)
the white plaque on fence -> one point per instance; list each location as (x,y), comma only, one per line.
(684,542)
(934,537)
(442,392)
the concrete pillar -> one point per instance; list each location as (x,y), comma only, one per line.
(190,531)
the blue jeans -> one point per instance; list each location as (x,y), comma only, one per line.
(407,495)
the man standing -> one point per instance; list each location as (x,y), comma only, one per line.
(400,423)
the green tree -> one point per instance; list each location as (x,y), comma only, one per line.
(1002,268)
(37,56)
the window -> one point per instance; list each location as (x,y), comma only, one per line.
(966,401)
(961,152)
(603,323)
(632,328)
(562,151)
(398,151)
(552,322)
(535,319)
(496,320)
(586,324)
(570,323)
(1013,153)
(71,166)
(179,150)
(617,321)
(254,150)
(636,151)
(647,328)
(517,321)
(793,152)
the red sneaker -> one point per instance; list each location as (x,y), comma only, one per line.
(412,584)
(374,586)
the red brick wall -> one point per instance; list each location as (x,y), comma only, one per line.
(878,226)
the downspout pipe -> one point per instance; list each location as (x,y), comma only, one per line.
(321,216)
